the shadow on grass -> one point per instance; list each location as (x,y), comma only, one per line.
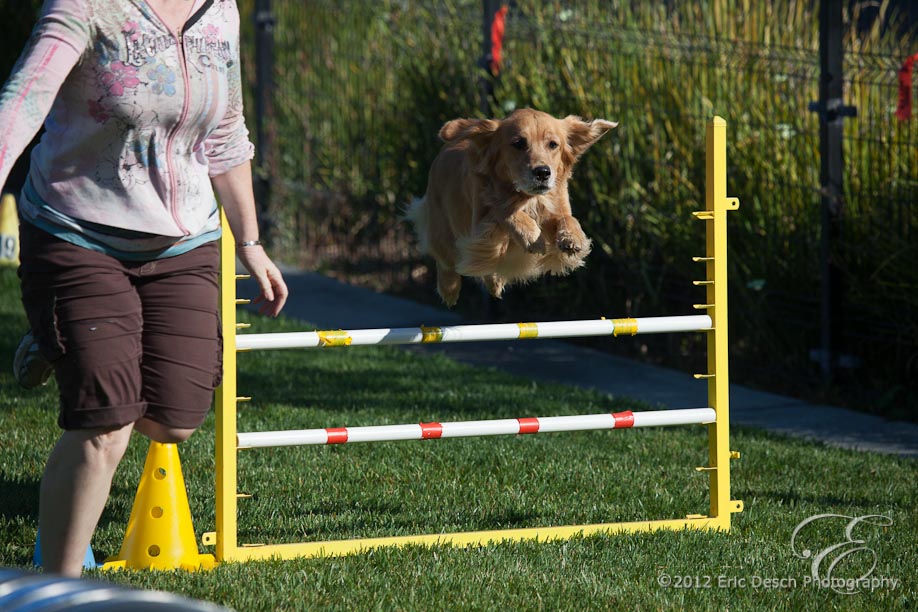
(789,497)
(334,508)
(452,388)
(20,501)
(369,518)
(20,498)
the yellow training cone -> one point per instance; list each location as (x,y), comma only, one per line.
(9,231)
(160,534)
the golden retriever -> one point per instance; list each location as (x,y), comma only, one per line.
(497,205)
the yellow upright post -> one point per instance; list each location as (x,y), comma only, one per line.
(225,536)
(715,216)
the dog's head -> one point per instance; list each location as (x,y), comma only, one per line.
(530,150)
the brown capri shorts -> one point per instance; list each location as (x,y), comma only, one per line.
(128,340)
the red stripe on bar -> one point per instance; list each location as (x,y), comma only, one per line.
(336,435)
(529,425)
(431,431)
(623,419)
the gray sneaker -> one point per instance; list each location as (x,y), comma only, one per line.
(30,367)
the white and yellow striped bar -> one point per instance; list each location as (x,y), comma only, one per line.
(465,429)
(474,333)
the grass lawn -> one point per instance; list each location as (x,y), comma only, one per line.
(318,493)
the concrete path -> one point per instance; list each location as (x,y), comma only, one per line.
(329,304)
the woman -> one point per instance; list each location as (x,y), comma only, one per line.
(142,109)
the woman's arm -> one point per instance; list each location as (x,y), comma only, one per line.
(234,190)
(57,41)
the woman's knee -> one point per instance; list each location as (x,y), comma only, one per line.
(101,447)
(162,433)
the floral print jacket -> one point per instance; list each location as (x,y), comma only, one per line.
(137,119)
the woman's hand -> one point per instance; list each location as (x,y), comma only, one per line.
(234,190)
(273,288)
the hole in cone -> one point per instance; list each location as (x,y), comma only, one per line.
(153,551)
(156,512)
(159,474)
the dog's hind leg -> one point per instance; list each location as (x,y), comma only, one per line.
(448,284)
(495,284)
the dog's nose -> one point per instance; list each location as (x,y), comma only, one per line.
(542,173)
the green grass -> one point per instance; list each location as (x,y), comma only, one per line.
(306,494)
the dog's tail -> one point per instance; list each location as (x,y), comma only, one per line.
(416,213)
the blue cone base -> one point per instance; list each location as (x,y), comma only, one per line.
(89,561)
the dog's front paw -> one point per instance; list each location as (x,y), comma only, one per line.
(573,243)
(526,232)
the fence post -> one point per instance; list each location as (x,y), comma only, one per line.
(832,112)
(485,86)
(485,93)
(264,92)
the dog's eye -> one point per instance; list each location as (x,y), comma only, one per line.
(552,144)
(519,143)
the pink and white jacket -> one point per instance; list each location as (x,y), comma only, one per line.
(137,119)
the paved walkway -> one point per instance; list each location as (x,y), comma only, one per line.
(330,304)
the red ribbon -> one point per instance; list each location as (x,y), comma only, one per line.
(497,39)
(904,110)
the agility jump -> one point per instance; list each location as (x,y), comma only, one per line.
(713,323)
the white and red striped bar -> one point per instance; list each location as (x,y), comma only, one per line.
(465,429)
(473,333)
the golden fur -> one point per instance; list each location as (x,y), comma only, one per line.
(497,205)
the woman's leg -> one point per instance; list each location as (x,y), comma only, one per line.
(182,352)
(162,433)
(87,319)
(74,489)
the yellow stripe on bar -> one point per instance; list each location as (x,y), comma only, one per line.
(624,326)
(528,330)
(337,337)
(431,334)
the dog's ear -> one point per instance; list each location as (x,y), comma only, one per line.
(479,133)
(582,134)
(476,129)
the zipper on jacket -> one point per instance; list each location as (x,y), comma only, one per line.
(180,46)
(173,180)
